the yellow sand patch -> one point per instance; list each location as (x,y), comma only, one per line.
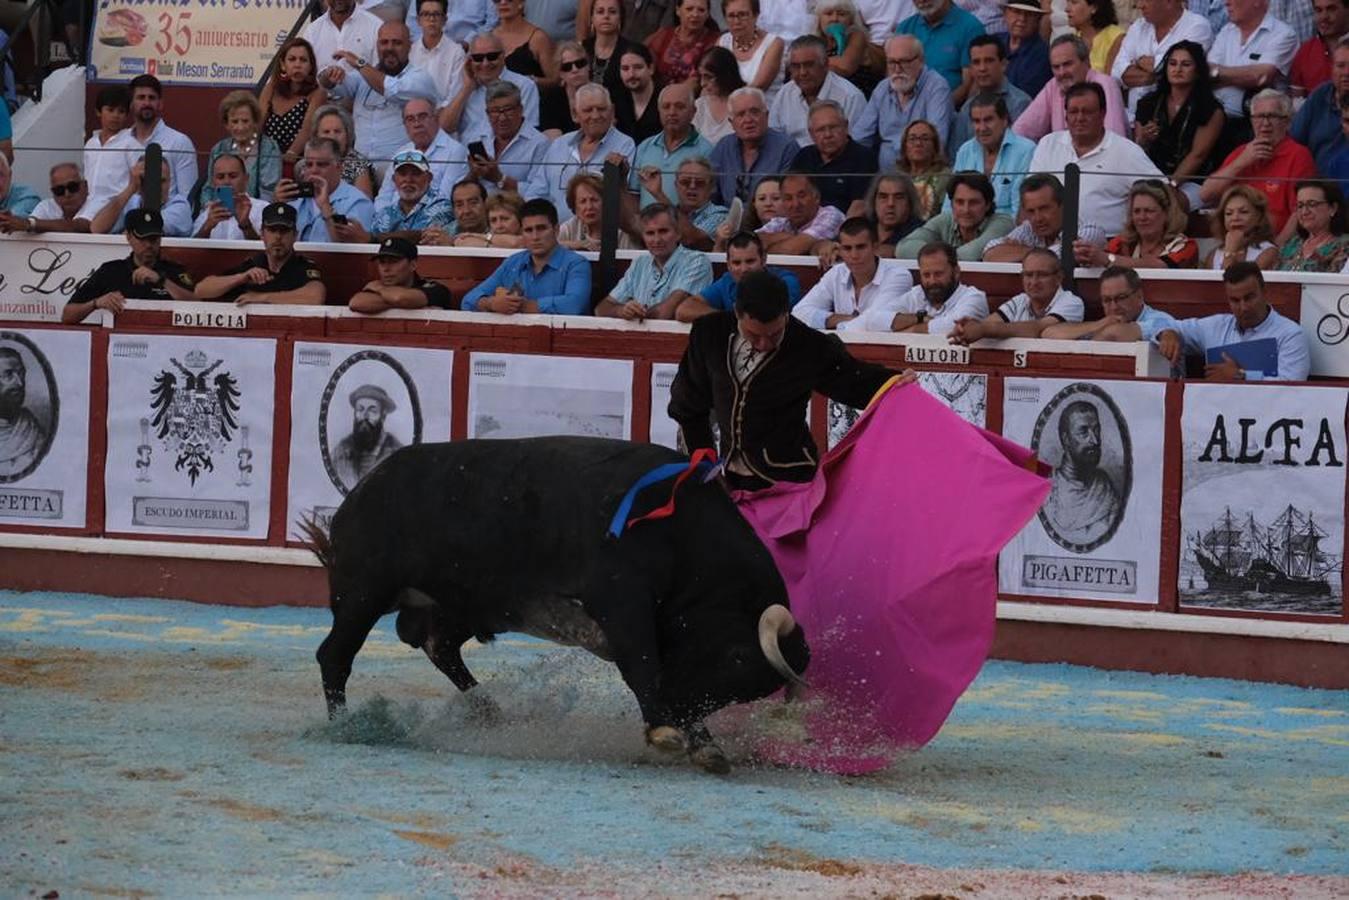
(116,617)
(249,812)
(428,838)
(1303,711)
(987,732)
(1079,821)
(1334,735)
(1133,695)
(777,856)
(19,671)
(1127,713)
(418,820)
(1028,825)
(30,620)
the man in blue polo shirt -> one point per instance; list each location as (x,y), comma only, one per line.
(744,254)
(542,278)
(945,31)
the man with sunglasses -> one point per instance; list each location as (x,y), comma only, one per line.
(63,211)
(466,113)
(1042,302)
(511,152)
(142,275)
(697,218)
(377,95)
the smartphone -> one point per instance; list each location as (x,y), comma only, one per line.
(306,189)
(476,149)
(225,197)
(339,219)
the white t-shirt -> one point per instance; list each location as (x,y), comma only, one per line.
(229,229)
(1141,40)
(1108,172)
(1064,306)
(1252,254)
(966,303)
(445,65)
(359,34)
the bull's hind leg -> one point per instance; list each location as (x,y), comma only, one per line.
(422,623)
(704,752)
(352,620)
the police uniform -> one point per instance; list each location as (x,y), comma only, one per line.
(116,275)
(296,272)
(401,248)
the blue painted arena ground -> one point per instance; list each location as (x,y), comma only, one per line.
(154,747)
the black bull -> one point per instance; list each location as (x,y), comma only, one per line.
(474,538)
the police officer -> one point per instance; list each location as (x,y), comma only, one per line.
(276,275)
(144,275)
(398,285)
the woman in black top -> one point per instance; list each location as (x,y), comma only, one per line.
(528,50)
(1180,123)
(606,44)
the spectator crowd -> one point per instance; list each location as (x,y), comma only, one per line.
(859,131)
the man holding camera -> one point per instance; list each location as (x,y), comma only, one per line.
(508,156)
(327,209)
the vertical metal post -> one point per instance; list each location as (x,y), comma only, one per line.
(611,211)
(1072,184)
(152,184)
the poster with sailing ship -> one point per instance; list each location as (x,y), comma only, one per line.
(1262,503)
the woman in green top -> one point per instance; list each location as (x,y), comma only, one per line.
(1320,244)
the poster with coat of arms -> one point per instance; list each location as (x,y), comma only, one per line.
(1095,536)
(190,435)
(351,407)
(44,427)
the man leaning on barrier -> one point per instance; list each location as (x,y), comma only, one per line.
(143,275)
(545,277)
(1042,302)
(399,286)
(276,275)
(1127,314)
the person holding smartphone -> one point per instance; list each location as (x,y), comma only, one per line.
(231,215)
(326,207)
(507,157)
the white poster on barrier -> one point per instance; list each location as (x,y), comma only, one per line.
(37,277)
(350,407)
(190,435)
(1095,537)
(515,395)
(1325,319)
(1262,498)
(664,430)
(964,393)
(44,427)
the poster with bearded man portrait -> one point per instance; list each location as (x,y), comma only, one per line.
(352,407)
(1095,537)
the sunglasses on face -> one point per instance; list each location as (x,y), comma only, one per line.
(573,65)
(485,57)
(70,187)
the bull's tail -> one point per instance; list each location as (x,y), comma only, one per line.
(319,543)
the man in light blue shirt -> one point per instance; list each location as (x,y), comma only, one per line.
(588,147)
(511,154)
(997,152)
(656,284)
(376,95)
(447,157)
(336,211)
(677,141)
(945,31)
(465,115)
(773,150)
(988,65)
(744,254)
(912,92)
(1251,319)
(545,277)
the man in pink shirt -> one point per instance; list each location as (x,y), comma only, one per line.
(1069,59)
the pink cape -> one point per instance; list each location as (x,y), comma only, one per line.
(889,555)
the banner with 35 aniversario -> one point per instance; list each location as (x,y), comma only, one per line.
(221,43)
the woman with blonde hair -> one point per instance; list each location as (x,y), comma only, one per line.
(503,223)
(1242,228)
(241,114)
(851,53)
(529,51)
(1153,236)
(556,103)
(923,159)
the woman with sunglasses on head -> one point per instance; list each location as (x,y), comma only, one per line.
(1153,236)
(1179,124)
(718,76)
(555,104)
(678,48)
(1319,244)
(529,51)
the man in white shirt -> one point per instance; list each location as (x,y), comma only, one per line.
(233,215)
(1042,302)
(940,301)
(466,114)
(448,157)
(342,27)
(376,94)
(1110,164)
(111,216)
(434,52)
(147,127)
(112,106)
(508,157)
(860,293)
(64,211)
(1251,319)
(811,80)
(1254,51)
(1161,24)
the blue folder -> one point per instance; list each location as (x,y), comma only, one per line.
(1259,355)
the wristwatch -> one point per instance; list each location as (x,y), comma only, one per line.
(1110,259)
(361,62)
(921,316)
(32,225)
(1215,72)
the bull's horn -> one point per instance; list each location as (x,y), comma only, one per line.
(776,622)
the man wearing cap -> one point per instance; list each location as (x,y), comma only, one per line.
(414,205)
(1027,52)
(447,158)
(399,286)
(276,275)
(144,275)
(368,443)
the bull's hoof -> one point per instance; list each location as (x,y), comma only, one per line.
(709,758)
(667,739)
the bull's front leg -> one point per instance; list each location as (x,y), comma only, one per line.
(704,752)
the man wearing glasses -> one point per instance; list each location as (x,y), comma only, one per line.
(810,82)
(752,151)
(447,157)
(509,156)
(466,113)
(63,211)
(1042,302)
(1272,162)
(434,52)
(376,95)
(911,91)
(1127,316)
